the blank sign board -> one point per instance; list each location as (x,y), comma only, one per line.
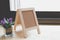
(27,18)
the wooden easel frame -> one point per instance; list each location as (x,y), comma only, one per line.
(19,20)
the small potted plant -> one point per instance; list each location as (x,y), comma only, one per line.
(7,24)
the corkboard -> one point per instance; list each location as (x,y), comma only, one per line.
(29,19)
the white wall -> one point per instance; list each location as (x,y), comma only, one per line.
(39,5)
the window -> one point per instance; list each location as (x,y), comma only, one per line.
(14,5)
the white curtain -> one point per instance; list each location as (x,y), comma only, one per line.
(14,5)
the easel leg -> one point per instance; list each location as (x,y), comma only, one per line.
(38,30)
(24,33)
